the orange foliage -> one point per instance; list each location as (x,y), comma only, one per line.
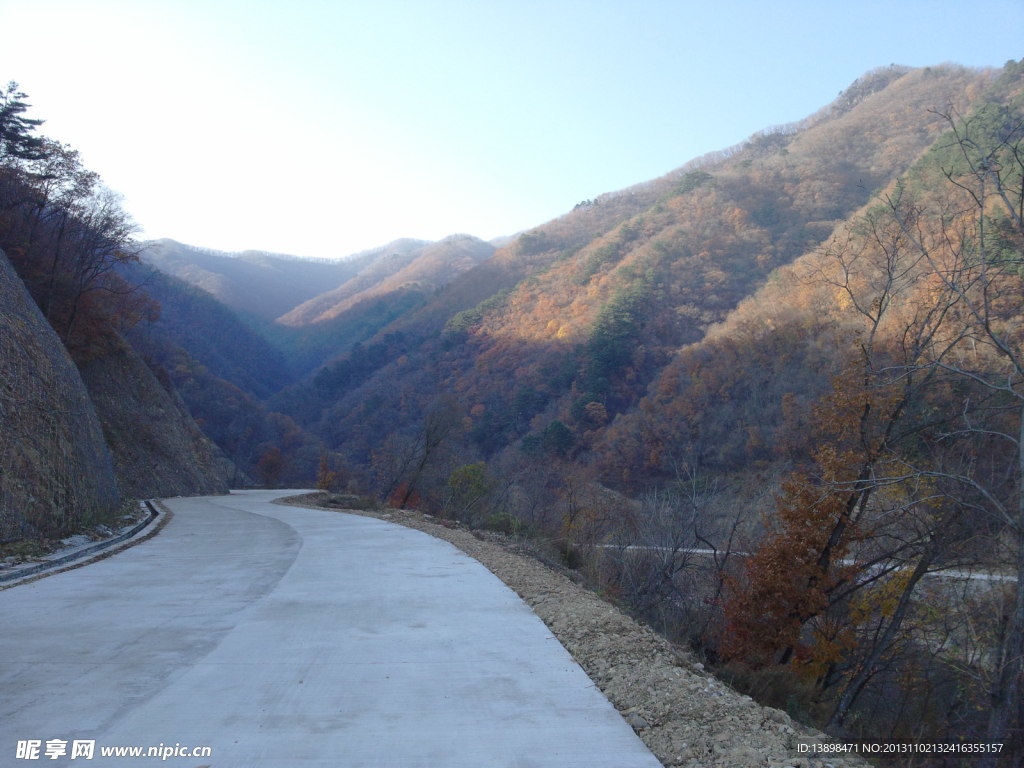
(788,580)
(412,500)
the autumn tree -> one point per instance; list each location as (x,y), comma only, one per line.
(827,531)
(468,492)
(64,232)
(402,461)
(653,545)
(330,473)
(270,466)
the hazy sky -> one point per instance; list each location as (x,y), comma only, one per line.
(324,128)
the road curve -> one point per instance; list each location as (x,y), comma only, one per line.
(281,636)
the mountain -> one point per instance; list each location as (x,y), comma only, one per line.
(283,298)
(427,267)
(574,321)
(214,335)
(254,283)
(581,326)
(213,363)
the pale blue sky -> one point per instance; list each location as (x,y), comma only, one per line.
(323,128)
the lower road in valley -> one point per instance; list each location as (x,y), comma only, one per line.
(267,635)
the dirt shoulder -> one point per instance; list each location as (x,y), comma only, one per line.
(685,715)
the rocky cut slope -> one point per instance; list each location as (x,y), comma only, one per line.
(56,471)
(158,449)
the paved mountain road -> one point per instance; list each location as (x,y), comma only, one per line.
(280,636)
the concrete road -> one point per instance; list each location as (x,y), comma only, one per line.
(280,636)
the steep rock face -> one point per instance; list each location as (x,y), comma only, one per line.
(56,471)
(158,449)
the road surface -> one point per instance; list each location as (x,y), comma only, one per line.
(281,636)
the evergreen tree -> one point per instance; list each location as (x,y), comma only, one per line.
(16,131)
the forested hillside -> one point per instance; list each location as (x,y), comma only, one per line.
(413,265)
(565,330)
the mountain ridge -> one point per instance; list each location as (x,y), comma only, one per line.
(431,265)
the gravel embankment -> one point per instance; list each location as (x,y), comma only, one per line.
(684,714)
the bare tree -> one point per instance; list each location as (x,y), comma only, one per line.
(977,256)
(403,460)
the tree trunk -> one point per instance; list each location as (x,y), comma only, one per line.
(1007,690)
(867,669)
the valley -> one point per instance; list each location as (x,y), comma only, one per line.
(799,357)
